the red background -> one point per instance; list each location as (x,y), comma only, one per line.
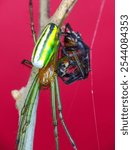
(16,44)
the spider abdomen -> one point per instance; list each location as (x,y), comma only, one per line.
(46,46)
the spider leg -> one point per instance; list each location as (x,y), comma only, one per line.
(25,115)
(55,123)
(32,21)
(27,63)
(61,115)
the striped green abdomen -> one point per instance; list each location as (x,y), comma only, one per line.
(46,46)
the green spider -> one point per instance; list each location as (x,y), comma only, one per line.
(44,58)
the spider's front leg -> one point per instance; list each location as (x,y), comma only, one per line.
(26,112)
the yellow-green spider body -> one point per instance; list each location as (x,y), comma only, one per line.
(46,46)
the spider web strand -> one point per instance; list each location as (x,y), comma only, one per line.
(92,80)
(97,23)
